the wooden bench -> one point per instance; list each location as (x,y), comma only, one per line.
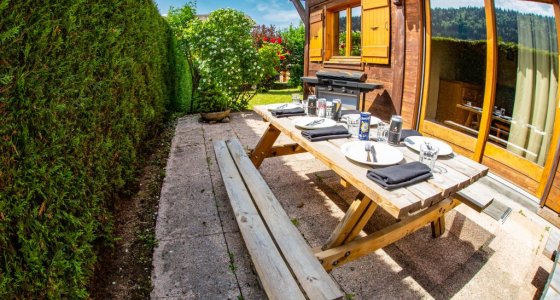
(283,260)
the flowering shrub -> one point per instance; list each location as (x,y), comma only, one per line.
(224,60)
(263,33)
(293,40)
(270,56)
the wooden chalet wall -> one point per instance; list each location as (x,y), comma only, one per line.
(380,102)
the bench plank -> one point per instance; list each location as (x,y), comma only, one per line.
(476,195)
(310,273)
(275,276)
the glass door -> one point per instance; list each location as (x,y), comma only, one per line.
(523,115)
(456,72)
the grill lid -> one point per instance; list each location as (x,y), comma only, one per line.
(343,75)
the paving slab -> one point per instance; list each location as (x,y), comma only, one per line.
(201,254)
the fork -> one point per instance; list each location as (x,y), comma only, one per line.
(282,106)
(316,122)
(367,147)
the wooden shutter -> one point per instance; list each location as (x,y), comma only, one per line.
(316,36)
(376,31)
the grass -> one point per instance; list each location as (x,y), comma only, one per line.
(274,96)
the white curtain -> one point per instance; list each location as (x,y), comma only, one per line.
(536,88)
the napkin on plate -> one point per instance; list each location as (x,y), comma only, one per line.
(400,175)
(282,113)
(409,132)
(335,132)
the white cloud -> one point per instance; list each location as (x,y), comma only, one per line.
(281,14)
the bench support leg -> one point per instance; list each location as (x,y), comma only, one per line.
(357,248)
(438,226)
(264,145)
(357,215)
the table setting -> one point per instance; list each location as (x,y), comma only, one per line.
(372,142)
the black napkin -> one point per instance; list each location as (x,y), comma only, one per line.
(409,132)
(282,113)
(400,175)
(335,132)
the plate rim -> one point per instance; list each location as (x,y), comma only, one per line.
(427,137)
(365,162)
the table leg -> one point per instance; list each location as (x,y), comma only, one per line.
(264,145)
(359,247)
(357,215)
(438,226)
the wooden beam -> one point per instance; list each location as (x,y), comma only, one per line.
(264,145)
(301,11)
(337,256)
(285,150)
(400,54)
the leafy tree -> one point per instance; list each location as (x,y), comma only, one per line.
(293,39)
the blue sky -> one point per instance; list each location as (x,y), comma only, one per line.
(280,13)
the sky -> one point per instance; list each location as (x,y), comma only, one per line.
(280,13)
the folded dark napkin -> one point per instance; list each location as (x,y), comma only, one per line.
(282,113)
(400,175)
(329,133)
(409,132)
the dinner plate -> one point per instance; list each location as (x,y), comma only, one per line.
(386,155)
(313,123)
(282,106)
(373,122)
(414,142)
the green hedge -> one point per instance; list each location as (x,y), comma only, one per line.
(82,84)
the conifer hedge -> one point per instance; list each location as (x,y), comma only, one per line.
(82,84)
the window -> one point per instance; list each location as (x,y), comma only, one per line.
(351,33)
(348,32)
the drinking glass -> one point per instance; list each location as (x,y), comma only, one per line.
(296,99)
(428,155)
(353,123)
(304,104)
(321,107)
(328,111)
(382,130)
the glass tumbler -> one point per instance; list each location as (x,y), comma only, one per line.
(296,99)
(428,155)
(353,123)
(382,130)
(305,106)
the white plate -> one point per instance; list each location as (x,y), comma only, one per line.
(303,123)
(385,154)
(414,142)
(373,122)
(282,106)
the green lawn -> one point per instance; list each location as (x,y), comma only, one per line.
(274,96)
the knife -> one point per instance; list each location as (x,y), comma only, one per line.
(373,153)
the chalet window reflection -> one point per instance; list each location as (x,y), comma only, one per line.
(348,32)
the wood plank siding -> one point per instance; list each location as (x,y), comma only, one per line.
(380,102)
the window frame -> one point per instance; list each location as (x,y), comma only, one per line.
(330,43)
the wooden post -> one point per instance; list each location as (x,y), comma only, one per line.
(264,145)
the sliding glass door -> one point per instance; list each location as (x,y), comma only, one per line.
(491,83)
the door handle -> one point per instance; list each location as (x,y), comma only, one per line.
(374,27)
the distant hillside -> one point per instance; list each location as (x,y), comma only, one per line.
(467,23)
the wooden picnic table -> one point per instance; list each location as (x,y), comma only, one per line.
(413,206)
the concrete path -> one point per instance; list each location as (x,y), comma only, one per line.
(201,255)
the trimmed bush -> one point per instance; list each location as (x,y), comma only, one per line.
(82,84)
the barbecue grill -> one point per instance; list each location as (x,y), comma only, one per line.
(349,87)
